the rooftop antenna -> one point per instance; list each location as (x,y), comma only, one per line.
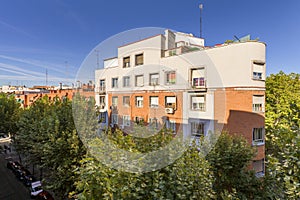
(201,9)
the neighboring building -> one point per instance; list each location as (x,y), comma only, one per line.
(173,80)
(26,96)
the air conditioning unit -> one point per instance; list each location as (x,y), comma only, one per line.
(169,110)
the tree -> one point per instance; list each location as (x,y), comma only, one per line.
(282,133)
(9,113)
(230,159)
(189,177)
(47,137)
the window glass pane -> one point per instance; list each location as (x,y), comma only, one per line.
(153,101)
(139,80)
(139,59)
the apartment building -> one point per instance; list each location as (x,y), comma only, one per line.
(173,80)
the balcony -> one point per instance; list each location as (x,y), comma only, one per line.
(101,90)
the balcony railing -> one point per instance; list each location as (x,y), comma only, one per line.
(101,89)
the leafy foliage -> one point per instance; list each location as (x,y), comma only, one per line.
(283,133)
(47,137)
(9,113)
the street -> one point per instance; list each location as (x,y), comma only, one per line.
(10,187)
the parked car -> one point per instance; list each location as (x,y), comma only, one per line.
(14,166)
(44,195)
(28,179)
(35,189)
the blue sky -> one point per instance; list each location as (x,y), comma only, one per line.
(57,35)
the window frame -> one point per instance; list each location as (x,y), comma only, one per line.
(124,78)
(256,140)
(112,119)
(126,64)
(128,120)
(112,101)
(136,59)
(201,108)
(136,102)
(201,80)
(171,105)
(151,105)
(113,81)
(124,101)
(136,83)
(157,79)
(195,133)
(168,82)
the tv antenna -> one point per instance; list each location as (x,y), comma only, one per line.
(201,9)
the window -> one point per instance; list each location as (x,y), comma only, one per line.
(259,167)
(102,85)
(170,102)
(102,102)
(258,136)
(139,80)
(258,102)
(153,124)
(114,82)
(102,117)
(126,101)
(139,59)
(197,129)
(126,81)
(114,101)
(198,77)
(154,79)
(139,120)
(198,102)
(170,77)
(258,70)
(114,119)
(153,102)
(171,125)
(126,120)
(139,101)
(126,62)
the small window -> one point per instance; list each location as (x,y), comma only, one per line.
(153,124)
(114,101)
(126,62)
(139,59)
(259,167)
(126,120)
(102,117)
(258,68)
(170,77)
(170,102)
(126,101)
(258,136)
(102,102)
(139,120)
(139,101)
(171,125)
(102,85)
(154,79)
(153,102)
(126,81)
(139,80)
(197,129)
(114,83)
(198,77)
(258,102)
(198,102)
(114,119)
